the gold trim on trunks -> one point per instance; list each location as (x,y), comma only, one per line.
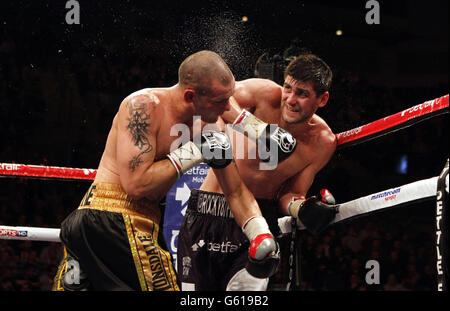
(62,268)
(112,198)
(156,262)
(135,254)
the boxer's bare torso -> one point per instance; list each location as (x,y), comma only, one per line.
(263,181)
(149,124)
(160,121)
(315,144)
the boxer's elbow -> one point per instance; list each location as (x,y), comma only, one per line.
(133,190)
(147,188)
(135,187)
(151,182)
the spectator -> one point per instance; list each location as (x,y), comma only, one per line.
(392,284)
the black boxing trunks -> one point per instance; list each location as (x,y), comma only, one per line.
(115,243)
(212,248)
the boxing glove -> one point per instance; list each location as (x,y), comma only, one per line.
(210,147)
(315,212)
(264,252)
(274,143)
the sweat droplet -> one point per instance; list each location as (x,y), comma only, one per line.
(225,34)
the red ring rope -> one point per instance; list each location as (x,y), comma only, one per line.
(348,138)
(393,122)
(11,169)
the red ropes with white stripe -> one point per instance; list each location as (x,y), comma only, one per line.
(53,172)
(351,137)
(393,122)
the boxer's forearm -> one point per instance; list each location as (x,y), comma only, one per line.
(242,202)
(231,115)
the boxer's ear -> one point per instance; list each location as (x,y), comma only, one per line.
(189,95)
(323,99)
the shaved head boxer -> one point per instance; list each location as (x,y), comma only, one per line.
(114,234)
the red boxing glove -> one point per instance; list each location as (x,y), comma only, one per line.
(263,256)
(264,252)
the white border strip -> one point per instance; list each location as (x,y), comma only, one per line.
(373,202)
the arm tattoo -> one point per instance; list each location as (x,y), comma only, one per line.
(137,125)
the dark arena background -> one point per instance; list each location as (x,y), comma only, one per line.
(61,84)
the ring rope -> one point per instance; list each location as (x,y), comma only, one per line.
(415,192)
(419,191)
(348,138)
(46,172)
(406,194)
(29,233)
(393,123)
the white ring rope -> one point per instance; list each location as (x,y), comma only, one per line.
(29,233)
(405,194)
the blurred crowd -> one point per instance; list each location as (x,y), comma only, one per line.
(58,112)
(342,257)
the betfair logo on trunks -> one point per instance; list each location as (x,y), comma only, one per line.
(198,245)
(160,279)
(224,247)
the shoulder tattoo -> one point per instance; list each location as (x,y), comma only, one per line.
(138,122)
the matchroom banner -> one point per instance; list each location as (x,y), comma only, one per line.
(176,204)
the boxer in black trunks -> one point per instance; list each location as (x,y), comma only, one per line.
(280,188)
(114,233)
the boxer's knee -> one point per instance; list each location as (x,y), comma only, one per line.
(244,281)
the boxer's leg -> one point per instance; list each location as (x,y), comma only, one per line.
(244,281)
